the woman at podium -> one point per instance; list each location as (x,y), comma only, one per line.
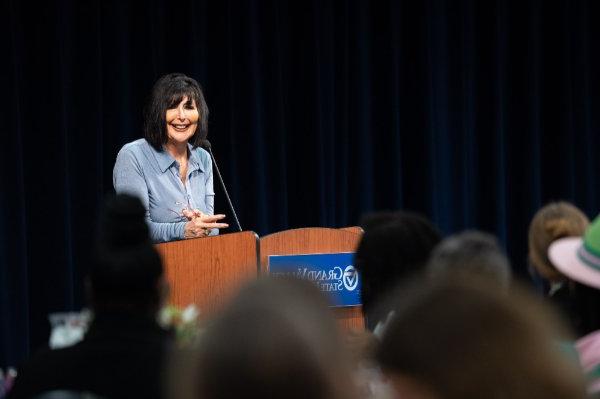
(167,169)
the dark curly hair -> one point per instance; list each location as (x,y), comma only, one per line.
(167,92)
(125,268)
(395,246)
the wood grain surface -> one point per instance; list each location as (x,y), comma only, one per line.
(353,229)
(208,271)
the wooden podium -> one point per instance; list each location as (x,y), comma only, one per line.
(208,271)
(316,240)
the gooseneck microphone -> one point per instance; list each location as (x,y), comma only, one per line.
(208,147)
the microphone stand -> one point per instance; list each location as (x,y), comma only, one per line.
(208,147)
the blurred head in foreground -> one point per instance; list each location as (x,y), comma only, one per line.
(553,221)
(465,339)
(126,273)
(470,254)
(554,224)
(393,247)
(578,258)
(277,339)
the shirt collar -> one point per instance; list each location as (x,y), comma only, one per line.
(165,160)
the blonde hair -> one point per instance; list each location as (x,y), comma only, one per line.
(553,221)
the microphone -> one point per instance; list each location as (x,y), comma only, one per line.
(208,147)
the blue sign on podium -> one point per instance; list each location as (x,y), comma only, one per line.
(334,274)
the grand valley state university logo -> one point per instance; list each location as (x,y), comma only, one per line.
(350,278)
(334,274)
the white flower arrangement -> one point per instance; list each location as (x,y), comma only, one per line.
(184,322)
(68,328)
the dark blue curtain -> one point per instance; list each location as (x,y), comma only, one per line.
(474,113)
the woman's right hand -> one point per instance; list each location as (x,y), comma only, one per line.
(201,224)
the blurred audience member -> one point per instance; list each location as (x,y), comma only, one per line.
(123,352)
(578,258)
(459,340)
(393,247)
(375,219)
(470,254)
(277,339)
(553,221)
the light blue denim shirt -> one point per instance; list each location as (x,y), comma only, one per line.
(153,176)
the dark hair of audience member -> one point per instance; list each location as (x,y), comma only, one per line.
(277,339)
(393,247)
(126,272)
(470,253)
(375,219)
(460,339)
(584,308)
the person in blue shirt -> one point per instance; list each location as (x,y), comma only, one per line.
(167,169)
